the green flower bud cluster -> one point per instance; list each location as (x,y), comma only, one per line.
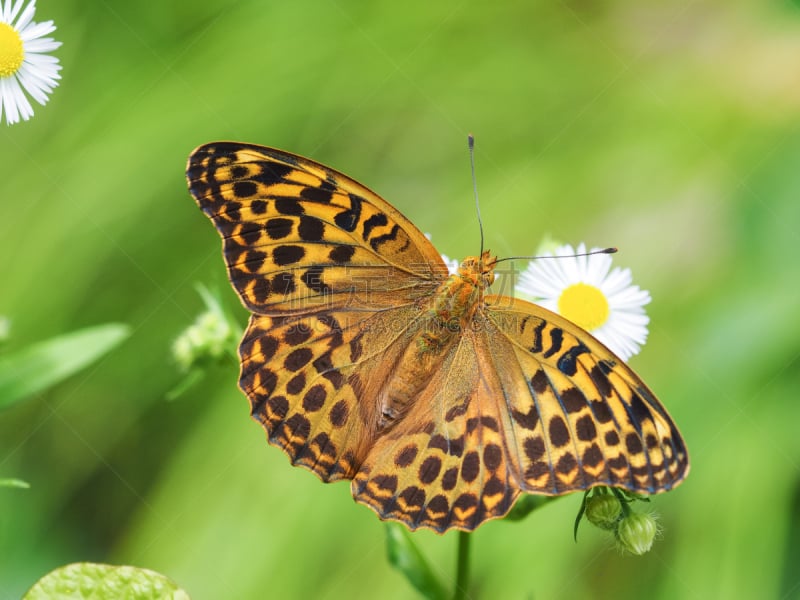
(609,509)
(208,338)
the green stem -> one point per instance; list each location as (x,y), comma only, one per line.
(462,568)
(626,510)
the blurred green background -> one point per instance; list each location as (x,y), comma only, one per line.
(669,130)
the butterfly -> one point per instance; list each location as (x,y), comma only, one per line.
(365,360)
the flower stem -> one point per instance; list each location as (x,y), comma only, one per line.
(462,567)
(623,501)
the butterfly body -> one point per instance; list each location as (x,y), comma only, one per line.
(365,360)
(451,310)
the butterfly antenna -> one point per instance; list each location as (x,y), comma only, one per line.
(599,251)
(471,143)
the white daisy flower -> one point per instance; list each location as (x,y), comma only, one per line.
(584,290)
(452,263)
(25,65)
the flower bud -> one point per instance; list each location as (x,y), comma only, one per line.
(603,511)
(207,338)
(636,533)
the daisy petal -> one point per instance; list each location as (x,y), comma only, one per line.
(26,16)
(36,30)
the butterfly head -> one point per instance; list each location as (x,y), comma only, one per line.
(479,270)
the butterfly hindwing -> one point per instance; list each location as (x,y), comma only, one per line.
(447,464)
(312,378)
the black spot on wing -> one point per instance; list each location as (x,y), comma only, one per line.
(286,255)
(297,359)
(311,229)
(313,280)
(282,284)
(278,228)
(567,362)
(429,470)
(239,171)
(600,380)
(406,456)
(539,382)
(288,206)
(272,173)
(314,398)
(244,189)
(534,448)
(339,414)
(633,443)
(315,194)
(559,434)
(536,348)
(556,339)
(381,239)
(377,220)
(640,410)
(348,219)
(342,253)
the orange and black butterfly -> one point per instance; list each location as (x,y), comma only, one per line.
(365,360)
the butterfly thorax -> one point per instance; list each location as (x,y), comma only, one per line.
(447,313)
(456,300)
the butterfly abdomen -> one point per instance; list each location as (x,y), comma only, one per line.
(448,313)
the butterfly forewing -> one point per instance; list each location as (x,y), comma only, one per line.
(298,236)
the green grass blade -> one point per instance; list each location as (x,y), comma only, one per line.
(42,365)
(15,483)
(404,556)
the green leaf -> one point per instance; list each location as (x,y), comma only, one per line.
(15,483)
(579,516)
(192,378)
(404,556)
(91,581)
(42,365)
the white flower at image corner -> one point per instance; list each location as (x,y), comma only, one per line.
(25,65)
(585,290)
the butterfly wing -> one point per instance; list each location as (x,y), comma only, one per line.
(311,380)
(334,276)
(580,416)
(447,463)
(301,237)
(528,402)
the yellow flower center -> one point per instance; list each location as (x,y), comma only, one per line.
(11,51)
(584,305)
